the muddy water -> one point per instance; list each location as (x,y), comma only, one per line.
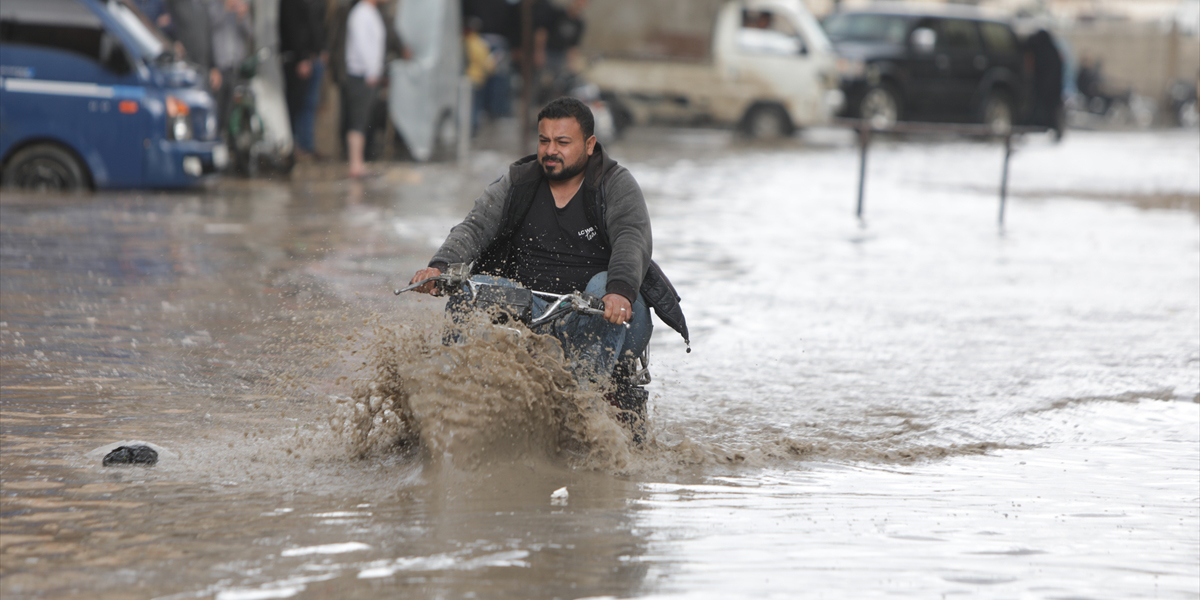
(918,406)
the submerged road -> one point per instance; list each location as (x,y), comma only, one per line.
(914,406)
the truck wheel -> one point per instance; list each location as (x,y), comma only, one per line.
(45,167)
(998,113)
(879,107)
(765,121)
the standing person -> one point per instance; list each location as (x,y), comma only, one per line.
(366,45)
(156,12)
(559,33)
(501,28)
(480,65)
(193,31)
(570,219)
(231,43)
(1047,78)
(302,45)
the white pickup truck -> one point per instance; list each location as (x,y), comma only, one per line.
(769,70)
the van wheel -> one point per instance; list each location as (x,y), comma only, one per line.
(45,168)
(767,121)
(998,113)
(880,108)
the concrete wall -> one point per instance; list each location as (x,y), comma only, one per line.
(624,26)
(1141,56)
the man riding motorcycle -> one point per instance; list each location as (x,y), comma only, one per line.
(570,219)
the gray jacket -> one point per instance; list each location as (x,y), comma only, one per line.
(613,203)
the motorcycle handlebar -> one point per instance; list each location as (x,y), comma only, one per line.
(577,301)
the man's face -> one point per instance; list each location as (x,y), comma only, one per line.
(562,150)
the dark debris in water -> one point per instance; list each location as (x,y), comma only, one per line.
(131,455)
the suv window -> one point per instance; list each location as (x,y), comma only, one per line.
(998,39)
(957,36)
(866,28)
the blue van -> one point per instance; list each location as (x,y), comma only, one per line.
(92,96)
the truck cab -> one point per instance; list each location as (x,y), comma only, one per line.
(768,70)
(92,97)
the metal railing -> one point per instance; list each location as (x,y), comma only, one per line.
(865,130)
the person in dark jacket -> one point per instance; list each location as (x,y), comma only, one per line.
(304,56)
(1047,105)
(193,31)
(569,219)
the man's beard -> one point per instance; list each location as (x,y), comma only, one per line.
(567,171)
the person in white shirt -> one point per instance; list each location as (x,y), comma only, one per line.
(366,44)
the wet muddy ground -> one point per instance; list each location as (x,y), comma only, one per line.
(919,405)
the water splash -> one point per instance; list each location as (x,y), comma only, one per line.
(504,394)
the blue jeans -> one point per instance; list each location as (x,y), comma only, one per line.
(592,344)
(303,123)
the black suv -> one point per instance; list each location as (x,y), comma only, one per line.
(945,64)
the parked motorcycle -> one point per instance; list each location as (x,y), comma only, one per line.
(1119,111)
(244,132)
(1182,102)
(244,129)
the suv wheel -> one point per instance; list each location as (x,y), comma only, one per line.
(45,167)
(998,113)
(880,108)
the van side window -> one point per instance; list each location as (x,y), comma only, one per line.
(764,32)
(998,39)
(63,25)
(957,36)
(79,40)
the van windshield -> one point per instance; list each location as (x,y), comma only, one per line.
(866,27)
(149,41)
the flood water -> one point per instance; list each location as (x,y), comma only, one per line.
(920,405)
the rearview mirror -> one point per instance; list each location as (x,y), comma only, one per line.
(923,40)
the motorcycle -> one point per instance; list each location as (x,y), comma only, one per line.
(1183,103)
(507,306)
(245,131)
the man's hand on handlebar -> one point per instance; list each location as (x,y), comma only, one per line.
(430,287)
(617,309)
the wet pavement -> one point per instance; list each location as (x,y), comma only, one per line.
(919,405)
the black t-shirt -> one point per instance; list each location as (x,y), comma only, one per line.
(556,249)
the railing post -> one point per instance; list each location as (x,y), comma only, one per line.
(864,140)
(1004,177)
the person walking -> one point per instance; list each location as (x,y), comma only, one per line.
(366,46)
